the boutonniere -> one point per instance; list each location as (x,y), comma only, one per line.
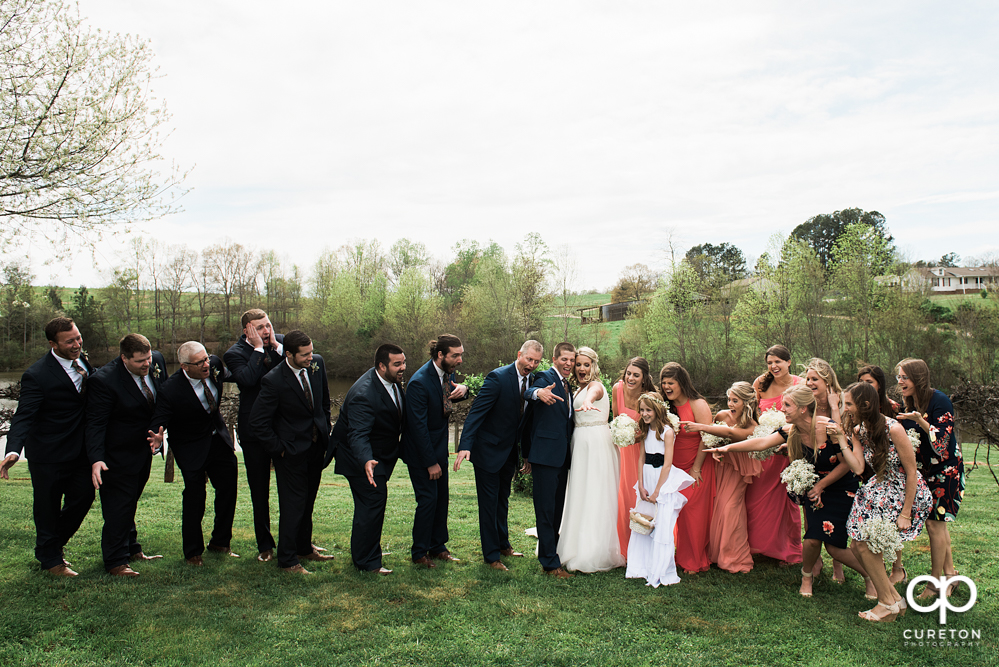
(156,372)
(215,374)
(314,367)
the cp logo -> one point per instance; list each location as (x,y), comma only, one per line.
(941,600)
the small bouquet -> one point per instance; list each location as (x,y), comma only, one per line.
(914,439)
(674,422)
(770,421)
(711,441)
(799,477)
(882,537)
(623,430)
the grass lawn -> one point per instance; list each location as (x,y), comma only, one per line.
(242,612)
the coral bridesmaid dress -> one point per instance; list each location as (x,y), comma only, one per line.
(694,522)
(728,541)
(629,473)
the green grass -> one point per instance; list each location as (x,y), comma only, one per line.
(241,612)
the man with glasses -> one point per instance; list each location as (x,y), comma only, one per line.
(188,408)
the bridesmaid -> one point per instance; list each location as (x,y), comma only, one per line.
(728,540)
(931,413)
(636,379)
(772,519)
(694,523)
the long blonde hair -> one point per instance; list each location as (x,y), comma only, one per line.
(744,392)
(824,371)
(594,367)
(802,397)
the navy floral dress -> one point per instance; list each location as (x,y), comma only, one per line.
(827,521)
(940,462)
(885,498)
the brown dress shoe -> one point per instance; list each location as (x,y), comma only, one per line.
(122,571)
(196,561)
(560,573)
(265,556)
(61,570)
(382,571)
(142,556)
(316,557)
(424,561)
(498,565)
(296,569)
(510,552)
(222,550)
(445,556)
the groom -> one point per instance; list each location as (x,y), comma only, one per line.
(545,447)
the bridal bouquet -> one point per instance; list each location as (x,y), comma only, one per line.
(711,441)
(882,537)
(623,430)
(770,421)
(674,422)
(914,439)
(799,477)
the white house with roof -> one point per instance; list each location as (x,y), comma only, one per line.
(960,279)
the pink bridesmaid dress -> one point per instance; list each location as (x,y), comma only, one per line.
(629,473)
(728,540)
(694,522)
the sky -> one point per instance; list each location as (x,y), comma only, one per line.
(618,127)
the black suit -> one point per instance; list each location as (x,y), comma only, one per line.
(248,368)
(490,435)
(296,436)
(201,444)
(367,429)
(49,426)
(118,415)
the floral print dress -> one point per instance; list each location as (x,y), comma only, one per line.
(885,498)
(940,462)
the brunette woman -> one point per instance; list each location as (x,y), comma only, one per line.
(690,456)
(635,380)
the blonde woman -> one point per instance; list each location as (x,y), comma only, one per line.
(588,539)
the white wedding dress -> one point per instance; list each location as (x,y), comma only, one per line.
(588,540)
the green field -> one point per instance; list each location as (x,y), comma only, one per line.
(242,612)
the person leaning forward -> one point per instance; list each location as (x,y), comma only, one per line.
(365,443)
(188,408)
(291,417)
(49,426)
(489,440)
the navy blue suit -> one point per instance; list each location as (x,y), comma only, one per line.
(49,425)
(367,429)
(424,443)
(118,417)
(546,447)
(490,435)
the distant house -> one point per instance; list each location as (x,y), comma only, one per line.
(960,279)
(607,312)
(737,288)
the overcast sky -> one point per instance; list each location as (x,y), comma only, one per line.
(599,124)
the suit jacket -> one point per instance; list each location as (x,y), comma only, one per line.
(189,425)
(118,414)
(493,425)
(546,439)
(424,440)
(50,420)
(368,428)
(281,418)
(247,369)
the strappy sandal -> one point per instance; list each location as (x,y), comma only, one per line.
(903,581)
(902,607)
(806,575)
(867,580)
(893,612)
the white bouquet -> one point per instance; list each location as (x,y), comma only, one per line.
(674,422)
(914,439)
(711,441)
(623,430)
(882,537)
(770,421)
(799,477)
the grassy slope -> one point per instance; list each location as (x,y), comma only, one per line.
(241,612)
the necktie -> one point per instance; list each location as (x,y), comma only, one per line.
(398,399)
(267,358)
(146,391)
(568,394)
(446,388)
(83,374)
(208,397)
(523,388)
(306,388)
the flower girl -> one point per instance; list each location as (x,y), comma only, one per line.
(651,557)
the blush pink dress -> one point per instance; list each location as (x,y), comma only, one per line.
(728,541)
(694,522)
(629,473)
(773,520)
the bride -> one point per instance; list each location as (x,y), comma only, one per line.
(588,540)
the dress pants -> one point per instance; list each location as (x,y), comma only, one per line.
(430,534)
(298,478)
(221,469)
(63,494)
(549,500)
(121,488)
(492,490)
(369,517)
(257,462)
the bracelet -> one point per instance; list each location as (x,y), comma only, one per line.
(903,516)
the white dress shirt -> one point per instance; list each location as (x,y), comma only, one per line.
(74,375)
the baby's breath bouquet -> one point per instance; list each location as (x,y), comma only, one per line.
(623,430)
(882,537)
(770,421)
(914,439)
(674,422)
(799,477)
(711,441)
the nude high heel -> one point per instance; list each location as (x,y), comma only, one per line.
(867,580)
(893,612)
(806,575)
